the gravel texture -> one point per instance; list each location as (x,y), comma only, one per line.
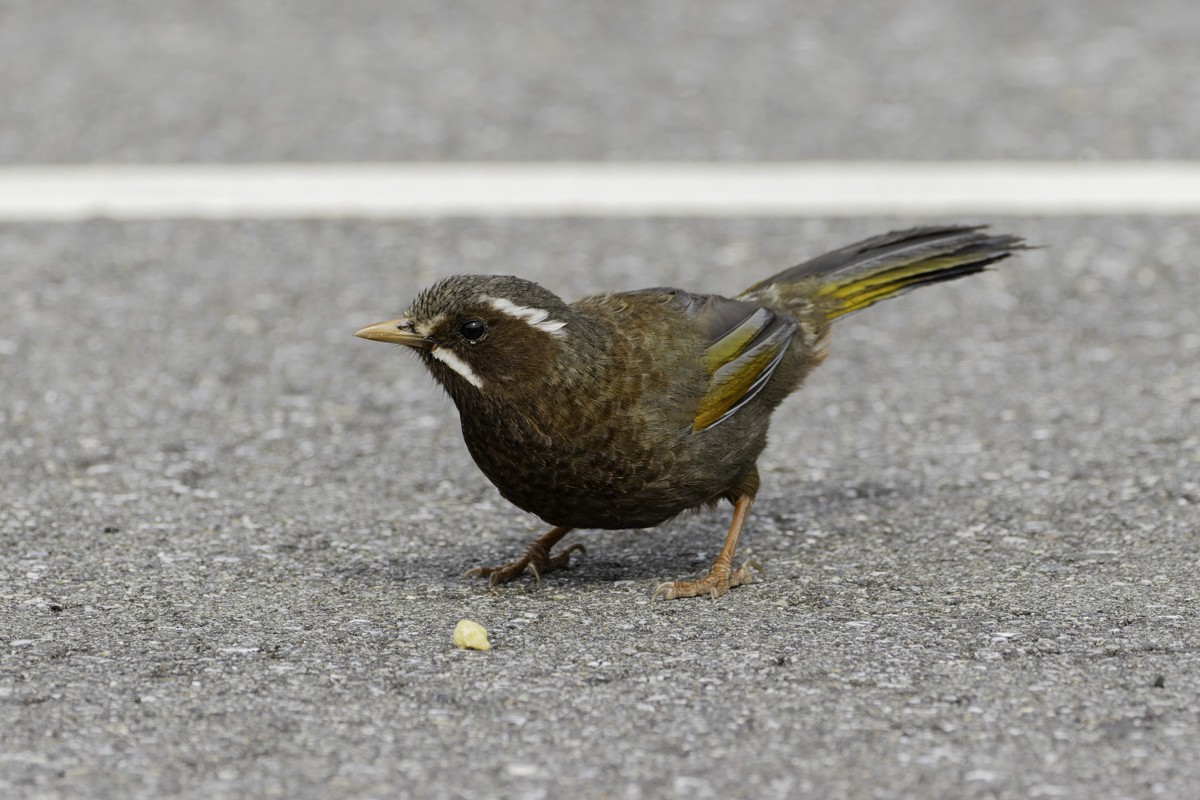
(232,533)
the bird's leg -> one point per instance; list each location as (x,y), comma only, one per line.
(722,576)
(537,559)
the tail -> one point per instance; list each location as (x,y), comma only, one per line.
(858,276)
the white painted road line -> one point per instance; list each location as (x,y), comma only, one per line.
(629,189)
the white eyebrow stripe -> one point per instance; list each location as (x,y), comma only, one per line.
(451,360)
(427,328)
(537,317)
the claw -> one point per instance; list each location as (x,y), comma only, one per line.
(565,555)
(722,577)
(714,584)
(664,591)
(536,560)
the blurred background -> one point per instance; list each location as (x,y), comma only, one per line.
(371,80)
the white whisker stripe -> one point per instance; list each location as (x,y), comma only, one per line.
(537,317)
(451,360)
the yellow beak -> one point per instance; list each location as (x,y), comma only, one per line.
(395,332)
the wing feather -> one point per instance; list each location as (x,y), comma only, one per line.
(740,358)
(745,343)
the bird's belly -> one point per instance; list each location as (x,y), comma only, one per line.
(610,482)
(592,490)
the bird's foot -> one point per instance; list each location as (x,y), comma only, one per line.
(716,583)
(537,560)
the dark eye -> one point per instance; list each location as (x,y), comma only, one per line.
(473,330)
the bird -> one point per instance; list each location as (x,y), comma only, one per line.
(622,410)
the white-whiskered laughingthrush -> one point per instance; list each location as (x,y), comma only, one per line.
(623,409)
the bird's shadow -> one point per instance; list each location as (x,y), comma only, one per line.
(682,547)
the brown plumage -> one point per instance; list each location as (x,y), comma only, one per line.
(622,410)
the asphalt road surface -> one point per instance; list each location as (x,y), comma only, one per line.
(317,80)
(231,534)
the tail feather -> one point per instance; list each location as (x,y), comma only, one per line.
(858,276)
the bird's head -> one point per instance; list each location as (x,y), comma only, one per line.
(481,335)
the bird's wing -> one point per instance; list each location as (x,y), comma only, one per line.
(746,342)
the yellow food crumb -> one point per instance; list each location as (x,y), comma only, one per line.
(468,634)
